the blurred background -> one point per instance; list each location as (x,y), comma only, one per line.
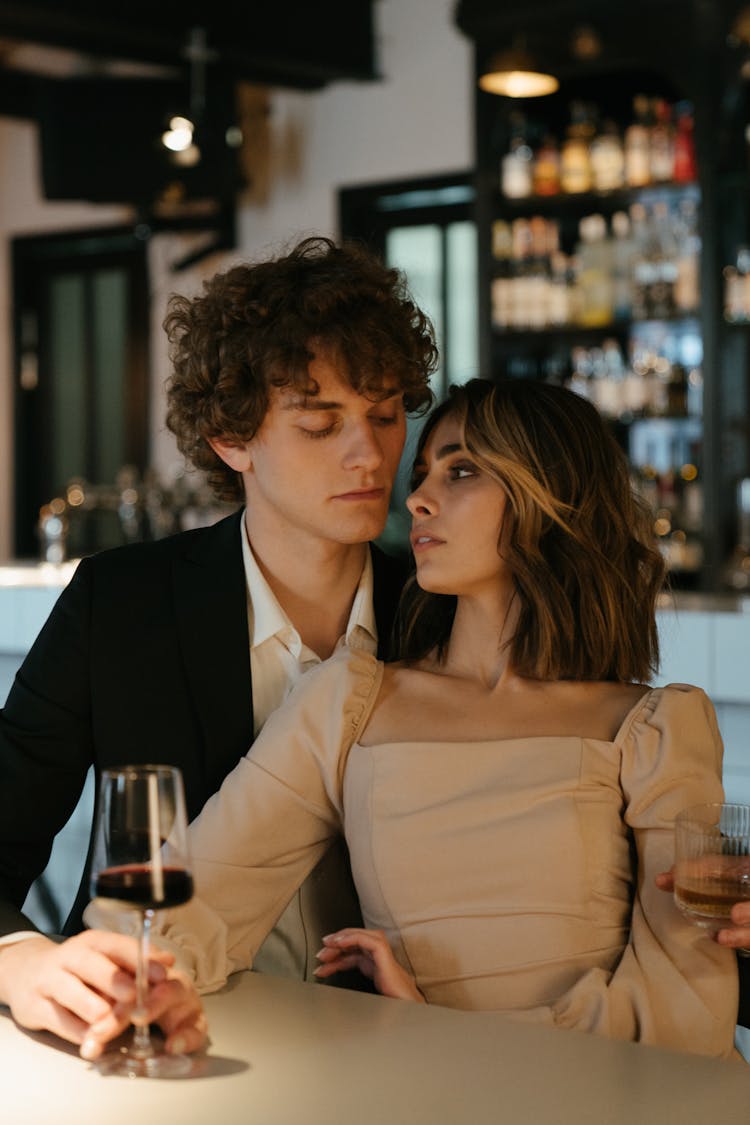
(564,182)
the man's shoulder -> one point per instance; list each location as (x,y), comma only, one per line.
(201,543)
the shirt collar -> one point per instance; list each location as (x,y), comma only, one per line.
(266,618)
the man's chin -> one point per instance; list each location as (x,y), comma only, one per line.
(360,531)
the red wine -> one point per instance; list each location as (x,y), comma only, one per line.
(135,885)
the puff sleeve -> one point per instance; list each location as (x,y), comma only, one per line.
(275,815)
(673,985)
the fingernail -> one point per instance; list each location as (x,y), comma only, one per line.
(177,1046)
(88,1048)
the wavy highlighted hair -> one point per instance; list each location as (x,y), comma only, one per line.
(580,545)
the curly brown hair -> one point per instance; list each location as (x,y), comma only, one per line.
(581,545)
(254,328)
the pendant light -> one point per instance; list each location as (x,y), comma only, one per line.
(515,74)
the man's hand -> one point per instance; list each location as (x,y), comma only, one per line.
(368,951)
(172,1003)
(83,990)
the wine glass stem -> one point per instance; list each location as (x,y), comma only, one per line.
(142,1047)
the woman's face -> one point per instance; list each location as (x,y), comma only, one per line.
(457,517)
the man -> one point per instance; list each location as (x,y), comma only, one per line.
(291,380)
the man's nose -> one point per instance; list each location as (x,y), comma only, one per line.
(364,450)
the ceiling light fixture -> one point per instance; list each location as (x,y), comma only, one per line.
(180,135)
(515,74)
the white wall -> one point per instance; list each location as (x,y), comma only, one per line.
(416,121)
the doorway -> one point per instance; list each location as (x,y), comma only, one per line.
(426,228)
(81,316)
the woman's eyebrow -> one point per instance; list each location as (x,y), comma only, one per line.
(446,450)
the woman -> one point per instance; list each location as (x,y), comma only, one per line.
(507,788)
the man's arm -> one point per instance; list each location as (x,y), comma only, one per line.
(45,748)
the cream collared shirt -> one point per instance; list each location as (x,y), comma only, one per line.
(278,656)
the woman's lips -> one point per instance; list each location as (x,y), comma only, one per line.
(421,541)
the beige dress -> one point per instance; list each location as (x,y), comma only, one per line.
(514,875)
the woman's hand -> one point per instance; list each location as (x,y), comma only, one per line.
(368,951)
(736,936)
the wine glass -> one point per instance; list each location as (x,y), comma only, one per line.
(712,862)
(140,864)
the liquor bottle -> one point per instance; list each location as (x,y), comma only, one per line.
(685,164)
(560,293)
(677,388)
(546,168)
(595,272)
(521,292)
(623,250)
(610,388)
(575,157)
(643,267)
(607,158)
(687,281)
(634,389)
(516,165)
(580,373)
(737,288)
(737,571)
(502,244)
(664,257)
(637,149)
(543,241)
(661,142)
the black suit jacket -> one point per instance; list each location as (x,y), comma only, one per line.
(145,658)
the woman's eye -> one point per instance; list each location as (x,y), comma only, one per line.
(460,472)
(385,419)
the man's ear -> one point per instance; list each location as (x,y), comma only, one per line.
(235,454)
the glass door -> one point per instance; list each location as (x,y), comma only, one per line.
(81,332)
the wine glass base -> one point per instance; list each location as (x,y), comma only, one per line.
(125,1065)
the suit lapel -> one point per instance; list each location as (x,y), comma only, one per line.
(211,614)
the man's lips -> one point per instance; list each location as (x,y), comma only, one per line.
(362,494)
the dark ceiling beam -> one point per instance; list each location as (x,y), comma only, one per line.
(299,45)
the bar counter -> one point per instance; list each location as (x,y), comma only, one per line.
(284,1053)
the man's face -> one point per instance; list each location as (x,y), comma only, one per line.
(322,465)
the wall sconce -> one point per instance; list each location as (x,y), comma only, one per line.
(515,74)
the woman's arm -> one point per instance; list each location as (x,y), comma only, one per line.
(273,818)
(673,985)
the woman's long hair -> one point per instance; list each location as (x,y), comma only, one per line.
(580,545)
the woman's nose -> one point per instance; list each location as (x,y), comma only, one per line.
(419,502)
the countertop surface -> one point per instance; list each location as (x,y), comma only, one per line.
(284,1053)
(30,575)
